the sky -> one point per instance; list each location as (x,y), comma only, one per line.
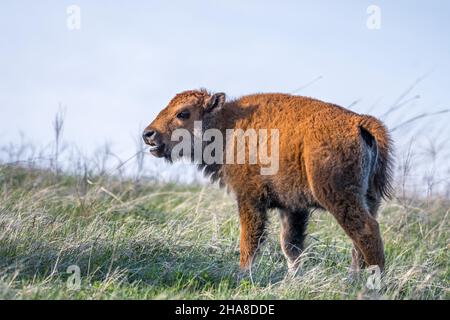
(128,59)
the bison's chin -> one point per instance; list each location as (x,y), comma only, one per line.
(165,151)
(158,151)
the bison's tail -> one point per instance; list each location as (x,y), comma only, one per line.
(382,178)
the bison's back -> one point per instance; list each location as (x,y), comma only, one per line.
(287,112)
(303,123)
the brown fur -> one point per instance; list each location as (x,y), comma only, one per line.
(329,158)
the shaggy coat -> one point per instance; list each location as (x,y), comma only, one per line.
(329,157)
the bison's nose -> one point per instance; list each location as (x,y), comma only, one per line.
(148,136)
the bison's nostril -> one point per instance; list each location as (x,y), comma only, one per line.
(148,135)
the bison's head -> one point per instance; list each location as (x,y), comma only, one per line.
(181,113)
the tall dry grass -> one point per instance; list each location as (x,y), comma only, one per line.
(136,237)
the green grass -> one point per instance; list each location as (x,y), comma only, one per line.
(151,241)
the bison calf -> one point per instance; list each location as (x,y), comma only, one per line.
(329,158)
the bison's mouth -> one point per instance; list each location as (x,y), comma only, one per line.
(157,150)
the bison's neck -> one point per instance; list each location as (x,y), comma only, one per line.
(227,117)
(224,119)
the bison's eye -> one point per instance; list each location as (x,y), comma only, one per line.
(183,115)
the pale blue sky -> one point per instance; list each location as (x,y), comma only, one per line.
(131,57)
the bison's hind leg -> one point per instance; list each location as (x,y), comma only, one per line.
(292,235)
(350,211)
(373,201)
(341,187)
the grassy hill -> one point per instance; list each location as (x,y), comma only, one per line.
(145,240)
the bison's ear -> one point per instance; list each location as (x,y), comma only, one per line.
(215,102)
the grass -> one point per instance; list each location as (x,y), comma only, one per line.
(168,241)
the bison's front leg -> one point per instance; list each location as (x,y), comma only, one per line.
(252,221)
(293,228)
